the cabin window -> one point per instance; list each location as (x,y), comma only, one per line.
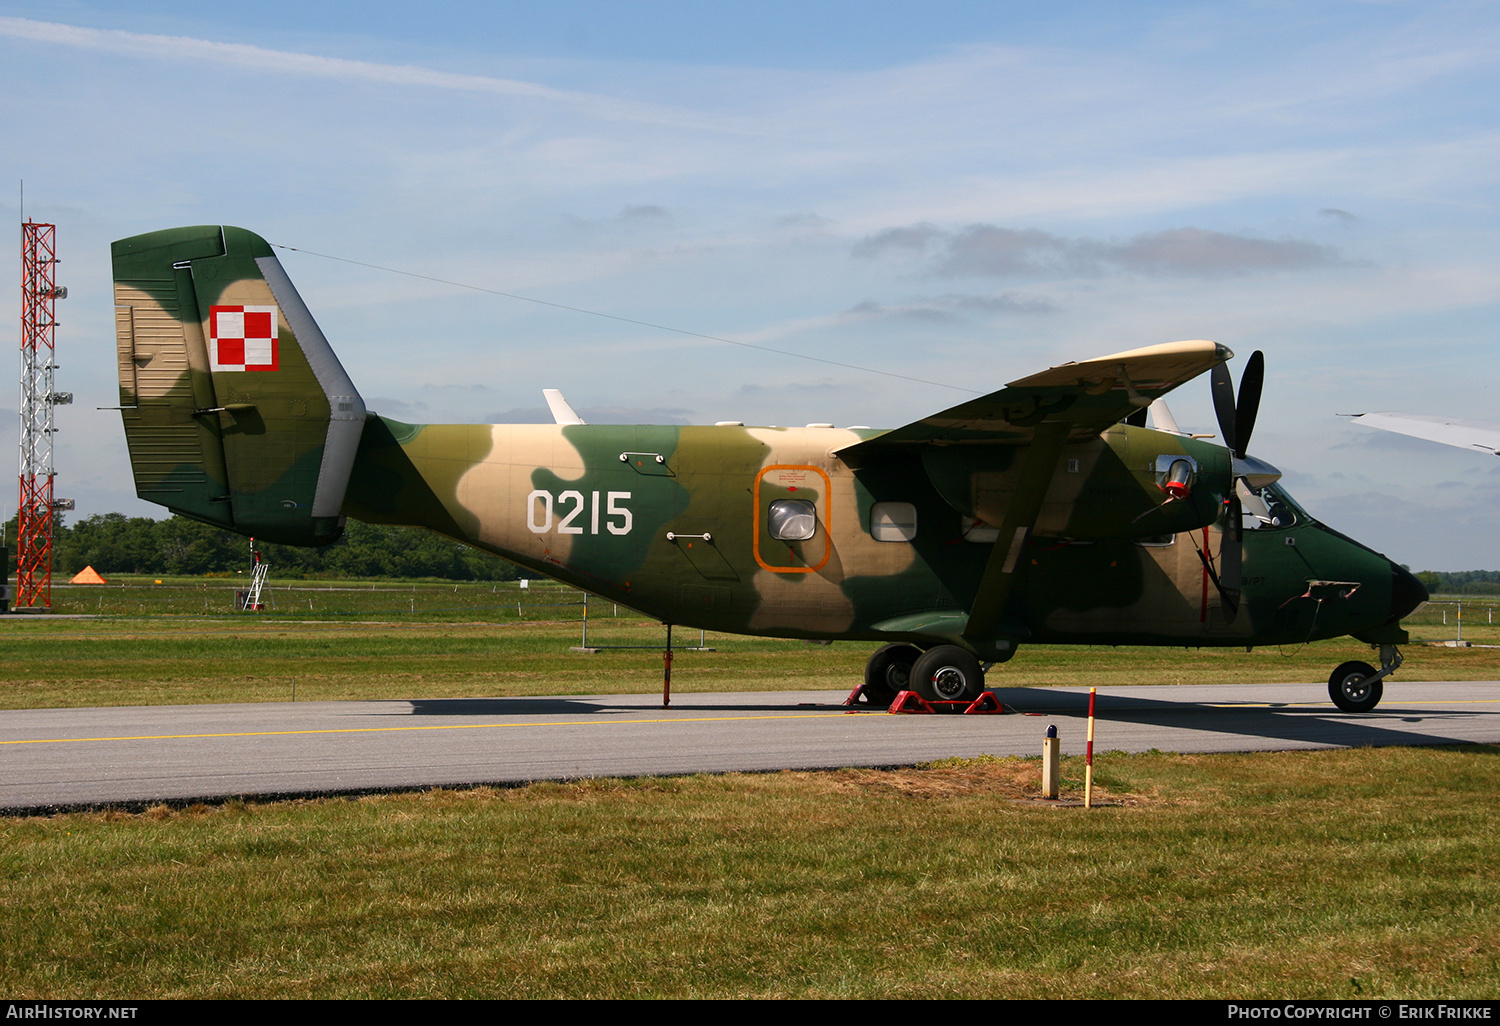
(893,521)
(791,520)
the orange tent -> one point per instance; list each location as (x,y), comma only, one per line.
(88,575)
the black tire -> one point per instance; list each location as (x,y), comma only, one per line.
(1352,688)
(947,673)
(889,672)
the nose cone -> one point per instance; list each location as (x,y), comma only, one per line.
(1407,593)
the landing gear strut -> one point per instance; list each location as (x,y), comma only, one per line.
(1356,687)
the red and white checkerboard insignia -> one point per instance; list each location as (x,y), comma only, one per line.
(242,338)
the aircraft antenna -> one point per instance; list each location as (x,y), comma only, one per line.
(632,320)
(37,509)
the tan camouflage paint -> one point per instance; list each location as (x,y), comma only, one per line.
(673,520)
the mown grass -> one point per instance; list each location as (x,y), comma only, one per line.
(471,640)
(60,663)
(420,600)
(1365,873)
(1469,618)
(1360,873)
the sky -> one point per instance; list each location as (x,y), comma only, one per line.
(950,199)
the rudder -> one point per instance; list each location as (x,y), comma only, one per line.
(236,410)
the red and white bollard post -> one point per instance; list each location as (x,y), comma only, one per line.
(666,684)
(1088,758)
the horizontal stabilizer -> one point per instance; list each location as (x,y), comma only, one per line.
(1162,419)
(562,413)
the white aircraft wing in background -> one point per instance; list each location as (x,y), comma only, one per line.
(1479,435)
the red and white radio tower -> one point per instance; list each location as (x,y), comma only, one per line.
(39,295)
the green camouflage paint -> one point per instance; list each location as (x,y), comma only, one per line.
(681,522)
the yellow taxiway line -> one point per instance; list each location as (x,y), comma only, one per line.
(436,726)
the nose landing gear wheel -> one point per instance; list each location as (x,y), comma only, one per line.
(1353,687)
(947,673)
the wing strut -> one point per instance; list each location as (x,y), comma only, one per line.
(1005,565)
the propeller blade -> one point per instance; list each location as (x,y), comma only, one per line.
(1223,388)
(1230,570)
(1237,421)
(1249,402)
(1230,559)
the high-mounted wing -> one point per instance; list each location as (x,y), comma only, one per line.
(1478,435)
(1081,398)
(1042,415)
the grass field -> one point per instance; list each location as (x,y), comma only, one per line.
(431,601)
(1343,874)
(1367,873)
(180,642)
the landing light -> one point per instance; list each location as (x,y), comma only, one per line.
(1179,480)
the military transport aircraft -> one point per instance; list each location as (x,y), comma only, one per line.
(1042,513)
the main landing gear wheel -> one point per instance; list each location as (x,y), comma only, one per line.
(889,672)
(1353,687)
(947,673)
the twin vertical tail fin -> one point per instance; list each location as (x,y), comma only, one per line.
(237,412)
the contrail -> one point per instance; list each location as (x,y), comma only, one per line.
(243,55)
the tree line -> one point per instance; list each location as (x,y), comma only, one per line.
(1461,582)
(115,543)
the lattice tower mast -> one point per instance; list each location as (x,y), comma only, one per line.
(34,514)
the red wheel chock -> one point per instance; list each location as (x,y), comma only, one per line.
(854,695)
(911,702)
(986,703)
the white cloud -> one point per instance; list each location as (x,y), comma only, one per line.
(242,55)
(986,250)
(550,179)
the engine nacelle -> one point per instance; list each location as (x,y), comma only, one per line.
(1127,483)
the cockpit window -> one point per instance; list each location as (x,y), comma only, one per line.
(1267,508)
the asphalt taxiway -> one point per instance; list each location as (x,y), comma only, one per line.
(73,758)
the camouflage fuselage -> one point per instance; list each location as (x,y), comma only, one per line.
(673,521)
(1030,514)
